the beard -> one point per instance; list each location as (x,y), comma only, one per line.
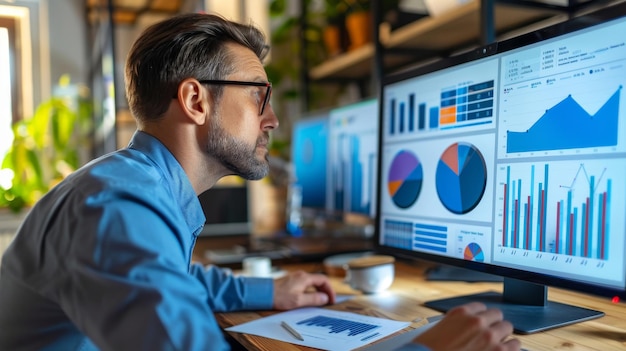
(236,155)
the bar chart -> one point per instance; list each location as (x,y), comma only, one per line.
(564,208)
(322,328)
(352,158)
(463,105)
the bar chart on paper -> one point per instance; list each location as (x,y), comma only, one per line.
(323,329)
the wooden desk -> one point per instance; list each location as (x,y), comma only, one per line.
(403,301)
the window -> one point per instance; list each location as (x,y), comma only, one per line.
(6,93)
(21,61)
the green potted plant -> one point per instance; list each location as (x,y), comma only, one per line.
(46,147)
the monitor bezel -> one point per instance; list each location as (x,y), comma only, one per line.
(584,21)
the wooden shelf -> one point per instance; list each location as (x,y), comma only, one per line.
(429,37)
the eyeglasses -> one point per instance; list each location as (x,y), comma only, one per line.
(266,98)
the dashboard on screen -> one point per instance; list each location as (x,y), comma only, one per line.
(512,159)
(352,158)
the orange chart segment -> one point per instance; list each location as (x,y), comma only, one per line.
(394,186)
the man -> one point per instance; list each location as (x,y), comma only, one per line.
(103,261)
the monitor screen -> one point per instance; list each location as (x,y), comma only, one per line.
(309,157)
(511,159)
(352,158)
(226,207)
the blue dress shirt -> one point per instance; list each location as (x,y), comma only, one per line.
(103,262)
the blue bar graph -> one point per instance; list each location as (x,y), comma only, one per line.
(337,325)
(430,237)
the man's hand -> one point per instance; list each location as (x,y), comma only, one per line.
(471,327)
(299,289)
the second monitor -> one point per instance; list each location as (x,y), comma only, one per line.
(352,158)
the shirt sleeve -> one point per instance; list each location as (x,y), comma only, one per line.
(230,293)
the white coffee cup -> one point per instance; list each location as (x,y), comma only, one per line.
(370,274)
(257,266)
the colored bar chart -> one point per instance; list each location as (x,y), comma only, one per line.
(466,104)
(574,222)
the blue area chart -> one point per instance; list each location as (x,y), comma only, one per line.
(461,178)
(568,126)
(405,179)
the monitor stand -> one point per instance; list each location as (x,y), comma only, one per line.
(458,274)
(525,305)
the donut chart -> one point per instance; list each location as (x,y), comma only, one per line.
(461,177)
(474,252)
(405,179)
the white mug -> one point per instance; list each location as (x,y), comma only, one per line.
(370,274)
(257,266)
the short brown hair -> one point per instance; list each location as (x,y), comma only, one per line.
(183,46)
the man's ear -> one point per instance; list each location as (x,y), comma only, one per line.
(194,100)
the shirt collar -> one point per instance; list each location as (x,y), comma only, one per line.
(176,178)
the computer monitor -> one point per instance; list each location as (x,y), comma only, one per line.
(352,158)
(226,207)
(309,157)
(511,160)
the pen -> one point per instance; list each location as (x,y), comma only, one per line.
(291,330)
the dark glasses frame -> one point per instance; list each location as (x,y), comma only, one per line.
(268,85)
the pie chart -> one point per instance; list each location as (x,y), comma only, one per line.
(474,252)
(461,177)
(405,179)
